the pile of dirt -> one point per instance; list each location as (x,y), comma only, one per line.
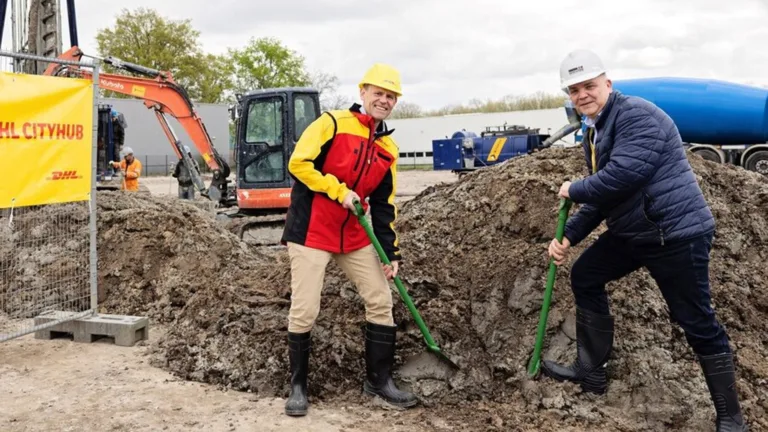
(476,266)
(155,254)
(480,268)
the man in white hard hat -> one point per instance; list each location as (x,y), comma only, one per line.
(183,175)
(641,184)
(131,168)
(342,157)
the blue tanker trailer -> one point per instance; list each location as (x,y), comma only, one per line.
(721,121)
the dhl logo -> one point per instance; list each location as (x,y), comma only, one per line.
(64,175)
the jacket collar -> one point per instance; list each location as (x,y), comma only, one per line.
(364,118)
(606,110)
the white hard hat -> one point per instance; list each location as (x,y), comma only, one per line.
(187,149)
(579,66)
(127,150)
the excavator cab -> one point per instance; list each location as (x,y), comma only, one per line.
(107,178)
(269,122)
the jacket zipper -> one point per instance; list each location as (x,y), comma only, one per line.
(354,185)
(360,174)
(370,157)
(359,155)
(661,232)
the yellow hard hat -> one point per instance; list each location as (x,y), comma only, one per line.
(384,76)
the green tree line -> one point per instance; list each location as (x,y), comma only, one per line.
(144,37)
(536,101)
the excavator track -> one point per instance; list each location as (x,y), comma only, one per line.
(262,231)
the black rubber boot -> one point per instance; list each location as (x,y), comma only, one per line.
(379,359)
(298,351)
(594,341)
(721,381)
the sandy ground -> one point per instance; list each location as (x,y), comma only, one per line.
(62,385)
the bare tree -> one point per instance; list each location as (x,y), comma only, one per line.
(406,110)
(328,86)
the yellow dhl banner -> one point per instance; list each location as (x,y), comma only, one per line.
(46,127)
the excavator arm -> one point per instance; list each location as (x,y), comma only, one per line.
(161,93)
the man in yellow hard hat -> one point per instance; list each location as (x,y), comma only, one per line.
(344,156)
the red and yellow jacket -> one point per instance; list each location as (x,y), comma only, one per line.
(337,153)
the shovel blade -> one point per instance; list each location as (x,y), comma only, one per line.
(434,349)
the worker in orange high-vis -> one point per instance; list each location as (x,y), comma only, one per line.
(344,156)
(131,169)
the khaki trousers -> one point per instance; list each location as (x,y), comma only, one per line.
(362,267)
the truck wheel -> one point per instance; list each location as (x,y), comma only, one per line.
(758,162)
(708,154)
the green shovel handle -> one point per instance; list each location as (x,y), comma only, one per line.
(533,366)
(360,213)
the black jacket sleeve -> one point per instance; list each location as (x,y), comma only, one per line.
(384,213)
(582,223)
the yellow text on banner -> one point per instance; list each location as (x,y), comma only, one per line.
(46,127)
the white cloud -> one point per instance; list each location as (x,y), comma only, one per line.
(450,53)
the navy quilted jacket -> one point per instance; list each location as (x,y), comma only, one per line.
(644,188)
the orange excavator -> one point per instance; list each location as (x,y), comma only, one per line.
(161,93)
(268,124)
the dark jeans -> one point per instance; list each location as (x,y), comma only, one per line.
(681,269)
(187,192)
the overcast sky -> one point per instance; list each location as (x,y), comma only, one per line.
(449,53)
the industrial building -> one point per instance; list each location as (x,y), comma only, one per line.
(145,135)
(414,136)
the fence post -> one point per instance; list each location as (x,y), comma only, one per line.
(93,204)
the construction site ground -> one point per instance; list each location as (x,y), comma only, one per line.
(475,265)
(58,385)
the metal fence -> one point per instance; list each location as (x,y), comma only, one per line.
(6,64)
(163,165)
(48,252)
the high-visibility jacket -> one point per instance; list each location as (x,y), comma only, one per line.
(337,153)
(132,173)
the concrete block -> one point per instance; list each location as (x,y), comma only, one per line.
(126,330)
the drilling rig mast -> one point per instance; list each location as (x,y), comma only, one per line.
(35,29)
